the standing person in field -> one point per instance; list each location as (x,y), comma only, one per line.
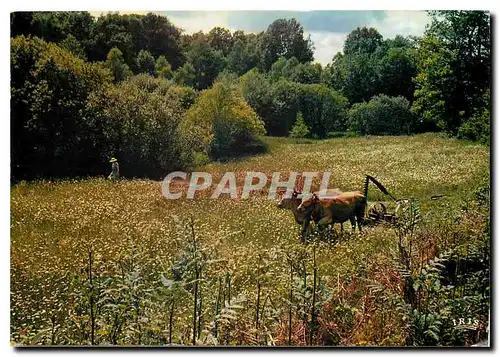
(115,169)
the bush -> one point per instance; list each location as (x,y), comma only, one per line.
(221,123)
(54,134)
(382,115)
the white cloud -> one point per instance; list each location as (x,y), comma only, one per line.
(404,23)
(200,21)
(327,44)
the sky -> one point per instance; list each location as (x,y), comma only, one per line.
(328,29)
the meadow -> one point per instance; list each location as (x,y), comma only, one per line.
(115,263)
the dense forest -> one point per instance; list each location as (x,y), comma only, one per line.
(139,88)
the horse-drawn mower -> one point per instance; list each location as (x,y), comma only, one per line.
(382,211)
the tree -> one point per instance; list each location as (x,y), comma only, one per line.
(256,89)
(454,69)
(112,31)
(236,59)
(186,75)
(117,65)
(71,44)
(133,33)
(307,73)
(397,68)
(221,123)
(362,40)
(21,23)
(300,129)
(324,110)
(244,55)
(356,76)
(145,63)
(220,39)
(206,62)
(163,69)
(53,131)
(161,37)
(285,38)
(284,107)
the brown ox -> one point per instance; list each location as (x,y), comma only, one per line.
(335,208)
(303,218)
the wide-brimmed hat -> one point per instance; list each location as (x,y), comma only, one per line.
(113,160)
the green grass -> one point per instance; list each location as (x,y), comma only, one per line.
(53,225)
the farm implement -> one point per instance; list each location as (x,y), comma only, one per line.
(382,211)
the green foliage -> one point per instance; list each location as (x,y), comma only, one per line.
(133,33)
(186,75)
(382,115)
(454,72)
(145,114)
(355,75)
(206,64)
(478,126)
(220,39)
(256,88)
(285,38)
(362,40)
(245,54)
(117,66)
(163,68)
(325,110)
(54,133)
(145,63)
(300,129)
(284,97)
(445,75)
(74,46)
(370,66)
(221,123)
(397,69)
(307,73)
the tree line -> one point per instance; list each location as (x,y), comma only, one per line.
(138,88)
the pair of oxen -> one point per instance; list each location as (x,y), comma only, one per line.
(325,207)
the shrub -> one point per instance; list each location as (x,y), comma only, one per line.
(221,123)
(382,115)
